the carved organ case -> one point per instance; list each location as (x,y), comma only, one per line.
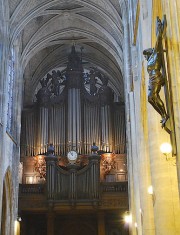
(73,110)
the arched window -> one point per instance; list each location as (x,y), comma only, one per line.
(1,82)
(11,76)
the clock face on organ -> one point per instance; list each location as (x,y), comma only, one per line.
(72,156)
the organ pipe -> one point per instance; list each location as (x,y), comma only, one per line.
(56,128)
(42,136)
(50,128)
(74,119)
(106,125)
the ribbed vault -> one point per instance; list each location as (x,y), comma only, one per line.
(48,29)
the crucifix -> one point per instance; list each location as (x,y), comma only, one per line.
(157,61)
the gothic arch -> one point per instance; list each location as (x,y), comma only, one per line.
(6,218)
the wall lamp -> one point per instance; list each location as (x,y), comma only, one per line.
(127,217)
(150,191)
(19,219)
(166,149)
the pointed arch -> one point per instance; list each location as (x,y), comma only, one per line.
(6,215)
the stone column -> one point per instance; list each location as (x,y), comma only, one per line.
(164,173)
(138,165)
(136,218)
(173,64)
(42,132)
(134,201)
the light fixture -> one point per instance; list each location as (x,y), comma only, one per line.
(166,149)
(150,190)
(16,227)
(127,218)
(19,219)
(30,180)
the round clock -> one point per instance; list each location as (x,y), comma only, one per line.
(72,156)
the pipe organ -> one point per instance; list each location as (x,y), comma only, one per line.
(73,110)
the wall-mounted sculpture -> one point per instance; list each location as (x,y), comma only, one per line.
(154,58)
(160,76)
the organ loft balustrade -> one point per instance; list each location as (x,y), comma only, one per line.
(79,188)
(81,182)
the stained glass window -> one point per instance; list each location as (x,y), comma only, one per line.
(11,73)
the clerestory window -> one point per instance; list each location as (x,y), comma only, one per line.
(11,76)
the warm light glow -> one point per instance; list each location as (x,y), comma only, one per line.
(30,180)
(108,162)
(140,210)
(16,228)
(19,219)
(135,224)
(150,189)
(166,148)
(40,165)
(128,219)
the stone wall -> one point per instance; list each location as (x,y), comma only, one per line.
(155,213)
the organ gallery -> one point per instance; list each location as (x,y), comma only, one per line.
(73,149)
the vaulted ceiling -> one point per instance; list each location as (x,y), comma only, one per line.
(46,30)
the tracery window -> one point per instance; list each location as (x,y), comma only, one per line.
(1,84)
(11,75)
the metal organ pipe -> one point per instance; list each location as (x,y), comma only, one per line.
(106,125)
(74,119)
(97,126)
(63,131)
(102,128)
(78,101)
(119,131)
(79,123)
(62,123)
(107,128)
(28,131)
(91,126)
(69,126)
(49,125)
(42,130)
(57,129)
(88,128)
